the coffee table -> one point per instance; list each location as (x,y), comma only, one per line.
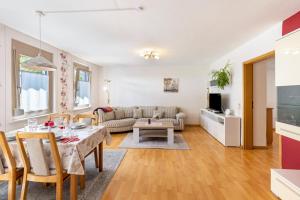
(168,126)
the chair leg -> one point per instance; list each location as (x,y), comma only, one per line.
(11,189)
(82,177)
(59,190)
(96,158)
(100,157)
(24,187)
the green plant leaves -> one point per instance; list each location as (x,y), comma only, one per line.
(222,76)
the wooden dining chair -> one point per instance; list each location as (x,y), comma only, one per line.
(9,173)
(66,117)
(89,119)
(36,167)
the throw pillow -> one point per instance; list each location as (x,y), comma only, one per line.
(157,114)
(108,116)
(137,113)
(169,112)
(120,114)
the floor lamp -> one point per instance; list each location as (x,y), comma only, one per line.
(106,88)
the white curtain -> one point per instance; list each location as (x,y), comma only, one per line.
(83,93)
(34,95)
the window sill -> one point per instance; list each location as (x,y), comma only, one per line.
(82,108)
(24,118)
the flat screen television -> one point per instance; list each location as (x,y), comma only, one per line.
(215,102)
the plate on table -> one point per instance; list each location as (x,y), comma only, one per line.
(42,127)
(78,126)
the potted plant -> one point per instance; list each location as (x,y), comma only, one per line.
(222,76)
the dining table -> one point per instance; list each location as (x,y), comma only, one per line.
(72,151)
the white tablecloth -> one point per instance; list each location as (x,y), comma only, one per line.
(71,153)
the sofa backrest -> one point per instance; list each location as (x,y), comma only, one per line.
(168,111)
(127,110)
(147,112)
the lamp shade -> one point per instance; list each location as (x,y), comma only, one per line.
(39,63)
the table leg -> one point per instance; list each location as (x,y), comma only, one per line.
(73,187)
(100,158)
(170,136)
(82,177)
(136,135)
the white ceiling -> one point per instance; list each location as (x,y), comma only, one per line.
(190,32)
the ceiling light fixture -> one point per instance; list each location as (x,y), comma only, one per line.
(39,62)
(150,54)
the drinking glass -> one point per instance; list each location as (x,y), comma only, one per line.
(32,124)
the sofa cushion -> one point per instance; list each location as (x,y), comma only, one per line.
(145,119)
(119,123)
(128,111)
(137,113)
(175,121)
(119,114)
(148,111)
(157,114)
(169,112)
(108,116)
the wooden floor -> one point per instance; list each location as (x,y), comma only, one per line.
(207,171)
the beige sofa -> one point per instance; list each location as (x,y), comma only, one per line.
(123,118)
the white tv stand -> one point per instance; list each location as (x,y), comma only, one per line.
(226,129)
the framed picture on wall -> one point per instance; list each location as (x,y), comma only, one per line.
(171,84)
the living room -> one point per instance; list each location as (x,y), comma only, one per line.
(149,100)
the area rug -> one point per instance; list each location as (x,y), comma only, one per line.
(155,143)
(96,182)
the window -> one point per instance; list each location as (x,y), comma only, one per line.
(32,89)
(82,86)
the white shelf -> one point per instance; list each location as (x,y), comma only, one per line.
(226,129)
(288,130)
(285,183)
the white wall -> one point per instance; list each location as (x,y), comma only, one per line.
(144,86)
(261,44)
(6,35)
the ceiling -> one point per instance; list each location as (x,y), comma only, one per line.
(190,32)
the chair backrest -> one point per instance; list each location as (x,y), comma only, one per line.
(64,116)
(89,119)
(6,152)
(36,161)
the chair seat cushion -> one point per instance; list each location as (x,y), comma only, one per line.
(119,123)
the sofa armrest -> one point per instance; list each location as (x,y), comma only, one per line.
(100,115)
(180,115)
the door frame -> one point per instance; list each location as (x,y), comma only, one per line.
(248,98)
